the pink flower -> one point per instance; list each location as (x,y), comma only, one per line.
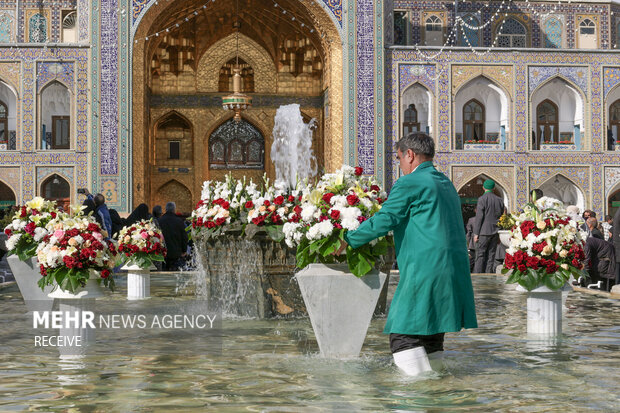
(59,233)
(144,235)
(97,235)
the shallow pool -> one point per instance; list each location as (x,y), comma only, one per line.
(272,365)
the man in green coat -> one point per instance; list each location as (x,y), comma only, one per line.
(434,294)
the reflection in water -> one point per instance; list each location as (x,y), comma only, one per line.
(274,365)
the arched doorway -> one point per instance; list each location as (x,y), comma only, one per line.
(174,191)
(562,188)
(294,56)
(472,190)
(7,197)
(56,188)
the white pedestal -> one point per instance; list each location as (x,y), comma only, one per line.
(77,334)
(340,306)
(138,282)
(504,237)
(544,311)
(27,275)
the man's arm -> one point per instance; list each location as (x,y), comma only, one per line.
(480,212)
(392,214)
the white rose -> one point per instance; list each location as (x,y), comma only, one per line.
(563,254)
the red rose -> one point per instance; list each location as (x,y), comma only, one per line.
(279,200)
(225,205)
(337,225)
(327,197)
(105,273)
(200,203)
(276,219)
(294,218)
(375,188)
(380,200)
(575,263)
(323,218)
(522,268)
(297,209)
(92,227)
(266,203)
(30,228)
(361,219)
(291,198)
(352,199)
(335,214)
(24,213)
(53,214)
(249,205)
(220,221)
(359,170)
(210,224)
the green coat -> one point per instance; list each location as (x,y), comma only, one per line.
(434,294)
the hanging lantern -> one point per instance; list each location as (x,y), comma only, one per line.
(237,101)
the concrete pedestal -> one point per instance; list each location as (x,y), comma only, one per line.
(340,306)
(544,311)
(27,275)
(138,282)
(77,334)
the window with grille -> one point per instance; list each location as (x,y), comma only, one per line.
(473,121)
(513,34)
(433,31)
(174,149)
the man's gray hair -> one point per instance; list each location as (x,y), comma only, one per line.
(171,207)
(419,142)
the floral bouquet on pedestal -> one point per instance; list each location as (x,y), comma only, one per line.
(341,201)
(72,248)
(141,243)
(546,246)
(28,227)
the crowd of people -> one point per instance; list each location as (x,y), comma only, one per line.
(602,248)
(173,226)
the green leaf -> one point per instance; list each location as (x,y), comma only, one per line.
(358,264)
(275,232)
(513,278)
(505,270)
(530,279)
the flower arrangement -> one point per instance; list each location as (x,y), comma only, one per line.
(74,245)
(473,141)
(28,227)
(546,246)
(141,243)
(310,218)
(506,221)
(557,143)
(340,202)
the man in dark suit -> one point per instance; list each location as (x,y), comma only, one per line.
(490,207)
(471,245)
(587,214)
(175,237)
(593,230)
(600,261)
(615,239)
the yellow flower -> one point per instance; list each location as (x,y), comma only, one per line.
(541,224)
(315,197)
(36,203)
(563,253)
(547,250)
(262,208)
(272,208)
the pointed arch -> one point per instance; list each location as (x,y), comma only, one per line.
(471,189)
(424,106)
(250,51)
(55,120)
(177,192)
(565,189)
(565,79)
(234,145)
(56,187)
(8,196)
(173,143)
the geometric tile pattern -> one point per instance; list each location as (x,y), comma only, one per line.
(109,89)
(365,53)
(611,76)
(61,71)
(578,76)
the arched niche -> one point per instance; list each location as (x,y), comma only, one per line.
(174,191)
(7,196)
(495,102)
(8,117)
(422,100)
(562,188)
(173,143)
(570,107)
(56,188)
(55,121)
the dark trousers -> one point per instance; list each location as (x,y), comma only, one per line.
(617,273)
(173,264)
(402,342)
(485,253)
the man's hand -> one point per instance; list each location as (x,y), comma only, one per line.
(343,247)
(475,238)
